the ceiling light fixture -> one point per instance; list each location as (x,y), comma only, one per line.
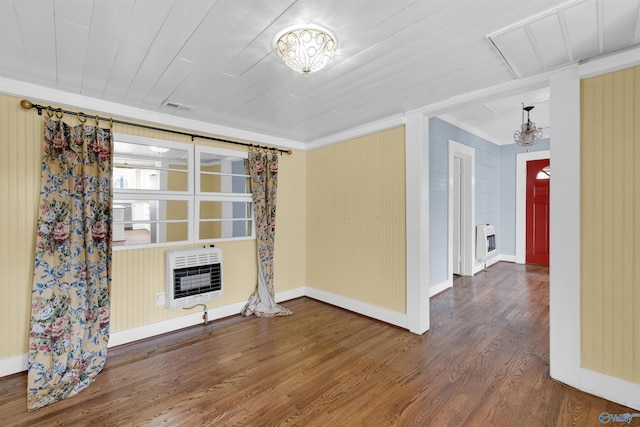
(529,133)
(158,150)
(306,48)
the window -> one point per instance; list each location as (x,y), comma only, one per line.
(223,198)
(167,193)
(545,173)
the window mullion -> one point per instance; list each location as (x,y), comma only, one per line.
(170,189)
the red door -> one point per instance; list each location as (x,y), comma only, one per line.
(538,178)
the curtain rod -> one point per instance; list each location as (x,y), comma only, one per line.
(27,105)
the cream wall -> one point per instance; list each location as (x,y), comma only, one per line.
(610,224)
(138,274)
(356,220)
(20,137)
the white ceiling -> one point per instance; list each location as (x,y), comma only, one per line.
(215,59)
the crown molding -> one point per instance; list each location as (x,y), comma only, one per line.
(81,102)
(441,107)
(452,121)
(611,62)
(366,129)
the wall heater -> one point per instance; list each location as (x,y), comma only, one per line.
(485,241)
(194,276)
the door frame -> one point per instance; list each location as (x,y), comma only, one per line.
(468,194)
(521,200)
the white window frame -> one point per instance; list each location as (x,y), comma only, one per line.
(202,196)
(192,195)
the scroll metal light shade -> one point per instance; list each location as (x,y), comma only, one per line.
(306,49)
(158,150)
(529,133)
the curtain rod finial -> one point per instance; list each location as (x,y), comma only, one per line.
(26,104)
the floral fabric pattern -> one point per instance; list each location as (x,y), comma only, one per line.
(263,169)
(69,328)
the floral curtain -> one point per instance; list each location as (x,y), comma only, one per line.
(263,169)
(70,297)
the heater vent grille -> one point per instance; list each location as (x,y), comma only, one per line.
(485,241)
(194,276)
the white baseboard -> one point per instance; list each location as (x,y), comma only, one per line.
(490,261)
(507,258)
(379,313)
(610,388)
(443,286)
(19,363)
(158,328)
(291,294)
(14,364)
(436,289)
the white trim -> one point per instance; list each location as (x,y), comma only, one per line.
(612,62)
(14,364)
(375,312)
(290,294)
(87,104)
(468,155)
(443,286)
(461,125)
(564,253)
(496,258)
(158,328)
(170,325)
(440,287)
(610,388)
(366,129)
(438,108)
(521,200)
(507,258)
(546,133)
(533,18)
(417,222)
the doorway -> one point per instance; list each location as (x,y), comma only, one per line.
(521,200)
(537,223)
(461,210)
(458,208)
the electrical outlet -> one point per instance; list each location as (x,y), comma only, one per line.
(160,298)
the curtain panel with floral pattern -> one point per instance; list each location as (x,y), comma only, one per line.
(263,170)
(69,328)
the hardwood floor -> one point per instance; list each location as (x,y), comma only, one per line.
(485,362)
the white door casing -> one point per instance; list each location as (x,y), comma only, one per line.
(468,208)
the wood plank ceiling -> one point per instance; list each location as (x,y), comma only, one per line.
(214,61)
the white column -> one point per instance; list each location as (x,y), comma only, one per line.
(417,221)
(564,252)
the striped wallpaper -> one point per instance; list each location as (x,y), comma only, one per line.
(610,222)
(356,220)
(20,141)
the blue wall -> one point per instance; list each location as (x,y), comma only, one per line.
(495,190)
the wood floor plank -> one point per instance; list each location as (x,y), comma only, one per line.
(485,362)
